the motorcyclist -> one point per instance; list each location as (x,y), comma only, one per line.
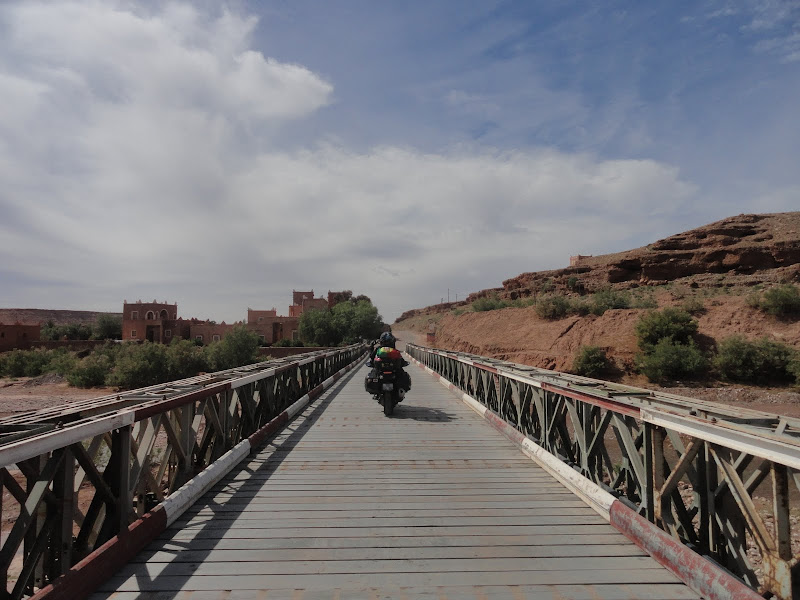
(387,340)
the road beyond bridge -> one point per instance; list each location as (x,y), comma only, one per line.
(432,503)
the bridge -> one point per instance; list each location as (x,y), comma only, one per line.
(492,480)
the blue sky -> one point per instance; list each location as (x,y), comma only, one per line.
(219,157)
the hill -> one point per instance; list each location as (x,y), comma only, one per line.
(714,271)
(33,316)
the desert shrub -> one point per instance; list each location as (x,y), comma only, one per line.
(61,362)
(794,367)
(24,363)
(185,359)
(644,302)
(693,305)
(488,303)
(753,300)
(670,323)
(139,365)
(761,361)
(591,361)
(13,364)
(572,283)
(91,371)
(553,307)
(239,347)
(670,360)
(781,301)
(547,286)
(522,302)
(608,299)
(457,312)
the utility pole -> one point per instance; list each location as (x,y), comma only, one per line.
(448,295)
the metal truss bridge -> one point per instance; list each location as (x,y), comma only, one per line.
(285,480)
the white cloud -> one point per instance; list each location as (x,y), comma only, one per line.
(137,160)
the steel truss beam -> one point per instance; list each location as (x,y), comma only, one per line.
(78,476)
(701,471)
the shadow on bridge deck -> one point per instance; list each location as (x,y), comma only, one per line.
(431,503)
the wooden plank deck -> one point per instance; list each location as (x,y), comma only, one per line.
(431,503)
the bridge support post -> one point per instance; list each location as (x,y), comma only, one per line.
(120,481)
(59,556)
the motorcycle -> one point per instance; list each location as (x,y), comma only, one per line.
(387,382)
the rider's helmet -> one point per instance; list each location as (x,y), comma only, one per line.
(387,340)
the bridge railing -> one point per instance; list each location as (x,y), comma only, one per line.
(723,480)
(75,476)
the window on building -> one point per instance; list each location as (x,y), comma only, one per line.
(133,333)
(24,336)
(150,316)
(260,319)
(215,338)
(134,315)
(3,334)
(174,316)
(199,338)
(295,335)
(168,333)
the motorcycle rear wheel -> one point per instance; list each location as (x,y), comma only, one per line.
(388,403)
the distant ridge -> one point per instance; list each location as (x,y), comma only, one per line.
(34,316)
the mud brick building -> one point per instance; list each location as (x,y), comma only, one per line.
(152,321)
(18,336)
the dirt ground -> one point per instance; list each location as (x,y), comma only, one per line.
(25,393)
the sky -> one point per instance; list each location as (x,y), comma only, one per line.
(221,155)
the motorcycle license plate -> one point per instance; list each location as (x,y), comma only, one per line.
(388,386)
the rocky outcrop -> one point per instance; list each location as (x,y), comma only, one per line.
(739,251)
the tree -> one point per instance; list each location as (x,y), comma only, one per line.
(107,327)
(346,322)
(239,347)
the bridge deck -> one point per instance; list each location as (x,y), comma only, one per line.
(432,503)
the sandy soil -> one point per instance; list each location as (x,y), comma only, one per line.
(27,393)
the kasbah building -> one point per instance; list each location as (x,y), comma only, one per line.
(159,321)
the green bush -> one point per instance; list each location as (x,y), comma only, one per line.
(61,362)
(488,303)
(761,361)
(91,371)
(670,323)
(591,361)
(553,307)
(693,305)
(139,365)
(644,302)
(14,363)
(572,283)
(794,367)
(670,360)
(185,359)
(781,301)
(24,363)
(238,348)
(608,299)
